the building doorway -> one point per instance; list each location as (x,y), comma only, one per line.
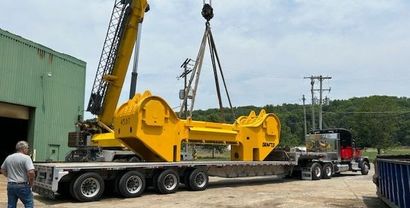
(14,122)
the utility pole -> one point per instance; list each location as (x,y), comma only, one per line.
(185,94)
(321,78)
(304,114)
(312,90)
(312,82)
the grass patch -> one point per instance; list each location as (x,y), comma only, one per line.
(206,155)
(372,152)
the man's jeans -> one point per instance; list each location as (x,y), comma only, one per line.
(19,191)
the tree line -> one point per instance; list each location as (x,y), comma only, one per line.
(377,121)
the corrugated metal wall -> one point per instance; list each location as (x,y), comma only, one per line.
(50,82)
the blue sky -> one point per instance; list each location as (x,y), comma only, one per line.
(266,47)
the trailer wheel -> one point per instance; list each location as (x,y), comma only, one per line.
(327,171)
(196,180)
(316,169)
(134,159)
(131,184)
(71,189)
(87,187)
(166,182)
(63,188)
(365,168)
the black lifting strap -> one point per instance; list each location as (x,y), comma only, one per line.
(208,14)
(214,56)
(222,74)
(212,51)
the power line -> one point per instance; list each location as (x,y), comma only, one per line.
(371,112)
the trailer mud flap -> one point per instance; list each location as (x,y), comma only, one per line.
(44,192)
(306,173)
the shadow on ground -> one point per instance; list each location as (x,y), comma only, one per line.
(374,202)
(234,182)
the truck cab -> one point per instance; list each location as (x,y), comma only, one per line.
(334,140)
(330,152)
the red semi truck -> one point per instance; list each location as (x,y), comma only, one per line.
(329,152)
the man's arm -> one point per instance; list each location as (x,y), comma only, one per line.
(30,171)
(31,174)
(3,168)
(4,172)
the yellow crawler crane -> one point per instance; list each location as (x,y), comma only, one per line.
(148,126)
(93,138)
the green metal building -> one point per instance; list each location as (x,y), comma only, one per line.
(41,97)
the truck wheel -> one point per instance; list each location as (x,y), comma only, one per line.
(166,182)
(196,180)
(71,188)
(87,187)
(365,168)
(134,159)
(327,171)
(316,169)
(63,188)
(131,184)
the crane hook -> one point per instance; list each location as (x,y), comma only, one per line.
(207,11)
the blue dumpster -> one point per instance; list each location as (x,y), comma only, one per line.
(392,178)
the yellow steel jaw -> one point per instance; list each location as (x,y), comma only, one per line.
(147,125)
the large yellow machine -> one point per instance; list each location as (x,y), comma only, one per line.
(146,124)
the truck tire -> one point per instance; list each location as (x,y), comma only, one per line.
(71,188)
(365,168)
(63,188)
(134,159)
(131,184)
(316,170)
(327,171)
(87,187)
(196,180)
(166,182)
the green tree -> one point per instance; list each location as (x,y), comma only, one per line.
(288,139)
(386,123)
(373,125)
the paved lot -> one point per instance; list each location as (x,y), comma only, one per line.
(347,190)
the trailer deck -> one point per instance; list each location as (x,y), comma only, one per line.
(125,165)
(50,175)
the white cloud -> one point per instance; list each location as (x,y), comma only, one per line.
(266,47)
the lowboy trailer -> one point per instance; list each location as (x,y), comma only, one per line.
(86,181)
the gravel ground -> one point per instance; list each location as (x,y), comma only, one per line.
(346,190)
